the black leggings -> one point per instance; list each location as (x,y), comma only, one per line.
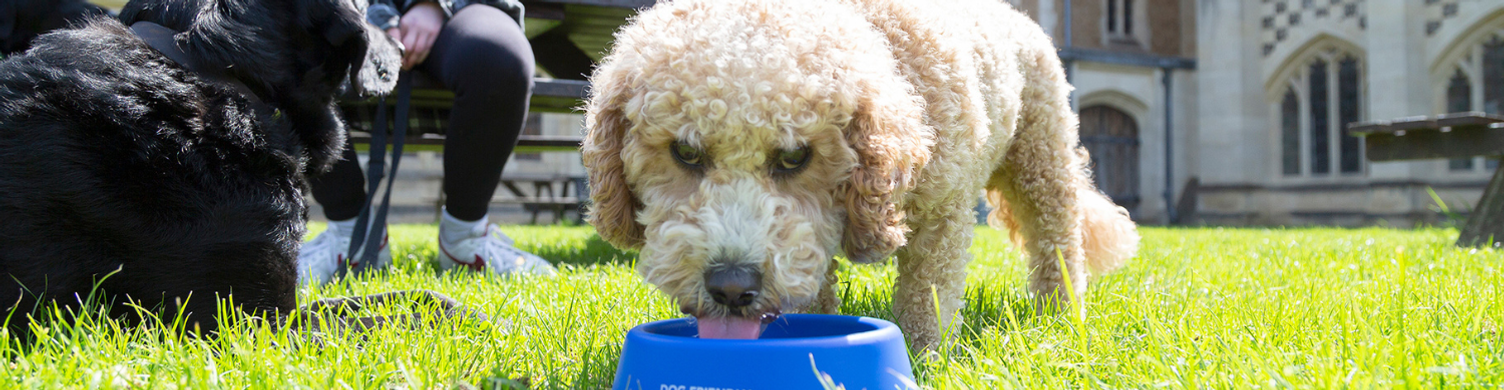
(482,55)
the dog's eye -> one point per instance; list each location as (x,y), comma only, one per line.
(790,160)
(686,154)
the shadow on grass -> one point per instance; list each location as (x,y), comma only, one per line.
(594,251)
(989,306)
(986,306)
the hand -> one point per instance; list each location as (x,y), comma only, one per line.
(417,31)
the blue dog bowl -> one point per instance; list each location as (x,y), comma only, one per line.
(857,352)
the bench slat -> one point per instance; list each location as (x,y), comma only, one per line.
(1456,135)
(576,89)
(549,95)
(570,201)
(558,95)
(525,143)
(1423,123)
(1462,142)
(598,3)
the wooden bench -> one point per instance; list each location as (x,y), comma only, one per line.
(568,37)
(114,5)
(550,192)
(548,96)
(1460,135)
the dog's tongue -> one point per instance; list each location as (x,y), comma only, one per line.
(729,328)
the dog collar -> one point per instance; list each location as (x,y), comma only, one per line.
(160,37)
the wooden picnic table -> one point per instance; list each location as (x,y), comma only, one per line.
(1459,135)
(557,193)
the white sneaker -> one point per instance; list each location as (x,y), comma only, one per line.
(321,257)
(493,251)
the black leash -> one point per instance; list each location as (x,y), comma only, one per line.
(370,233)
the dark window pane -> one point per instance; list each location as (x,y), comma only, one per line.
(1490,163)
(1127,17)
(1112,15)
(1347,104)
(1459,99)
(1493,76)
(1459,93)
(1460,164)
(1289,109)
(1321,145)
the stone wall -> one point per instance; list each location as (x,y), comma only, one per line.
(1248,50)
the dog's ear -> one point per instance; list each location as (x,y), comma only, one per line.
(337,21)
(370,57)
(340,24)
(377,73)
(613,209)
(892,144)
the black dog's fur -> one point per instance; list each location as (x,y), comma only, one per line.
(23,20)
(122,168)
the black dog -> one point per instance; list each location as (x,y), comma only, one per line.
(23,20)
(171,175)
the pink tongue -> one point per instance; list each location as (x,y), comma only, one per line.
(729,328)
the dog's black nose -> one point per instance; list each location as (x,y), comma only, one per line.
(733,286)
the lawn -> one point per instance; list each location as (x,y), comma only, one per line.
(1198,308)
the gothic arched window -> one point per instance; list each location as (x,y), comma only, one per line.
(1477,84)
(1321,96)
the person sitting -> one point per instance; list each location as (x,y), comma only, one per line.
(477,49)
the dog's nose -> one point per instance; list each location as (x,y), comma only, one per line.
(733,286)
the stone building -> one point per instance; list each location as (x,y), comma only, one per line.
(1133,65)
(1254,94)
(1288,74)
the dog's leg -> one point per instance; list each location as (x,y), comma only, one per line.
(1035,189)
(1046,229)
(933,265)
(829,300)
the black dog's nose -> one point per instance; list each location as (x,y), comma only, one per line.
(733,286)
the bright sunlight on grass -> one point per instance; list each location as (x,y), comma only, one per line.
(1212,308)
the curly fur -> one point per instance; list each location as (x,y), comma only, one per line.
(909,111)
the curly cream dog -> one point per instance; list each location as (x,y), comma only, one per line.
(742,144)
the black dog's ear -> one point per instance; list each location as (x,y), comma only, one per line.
(365,58)
(338,21)
(343,28)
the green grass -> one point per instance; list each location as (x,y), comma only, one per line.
(1198,308)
